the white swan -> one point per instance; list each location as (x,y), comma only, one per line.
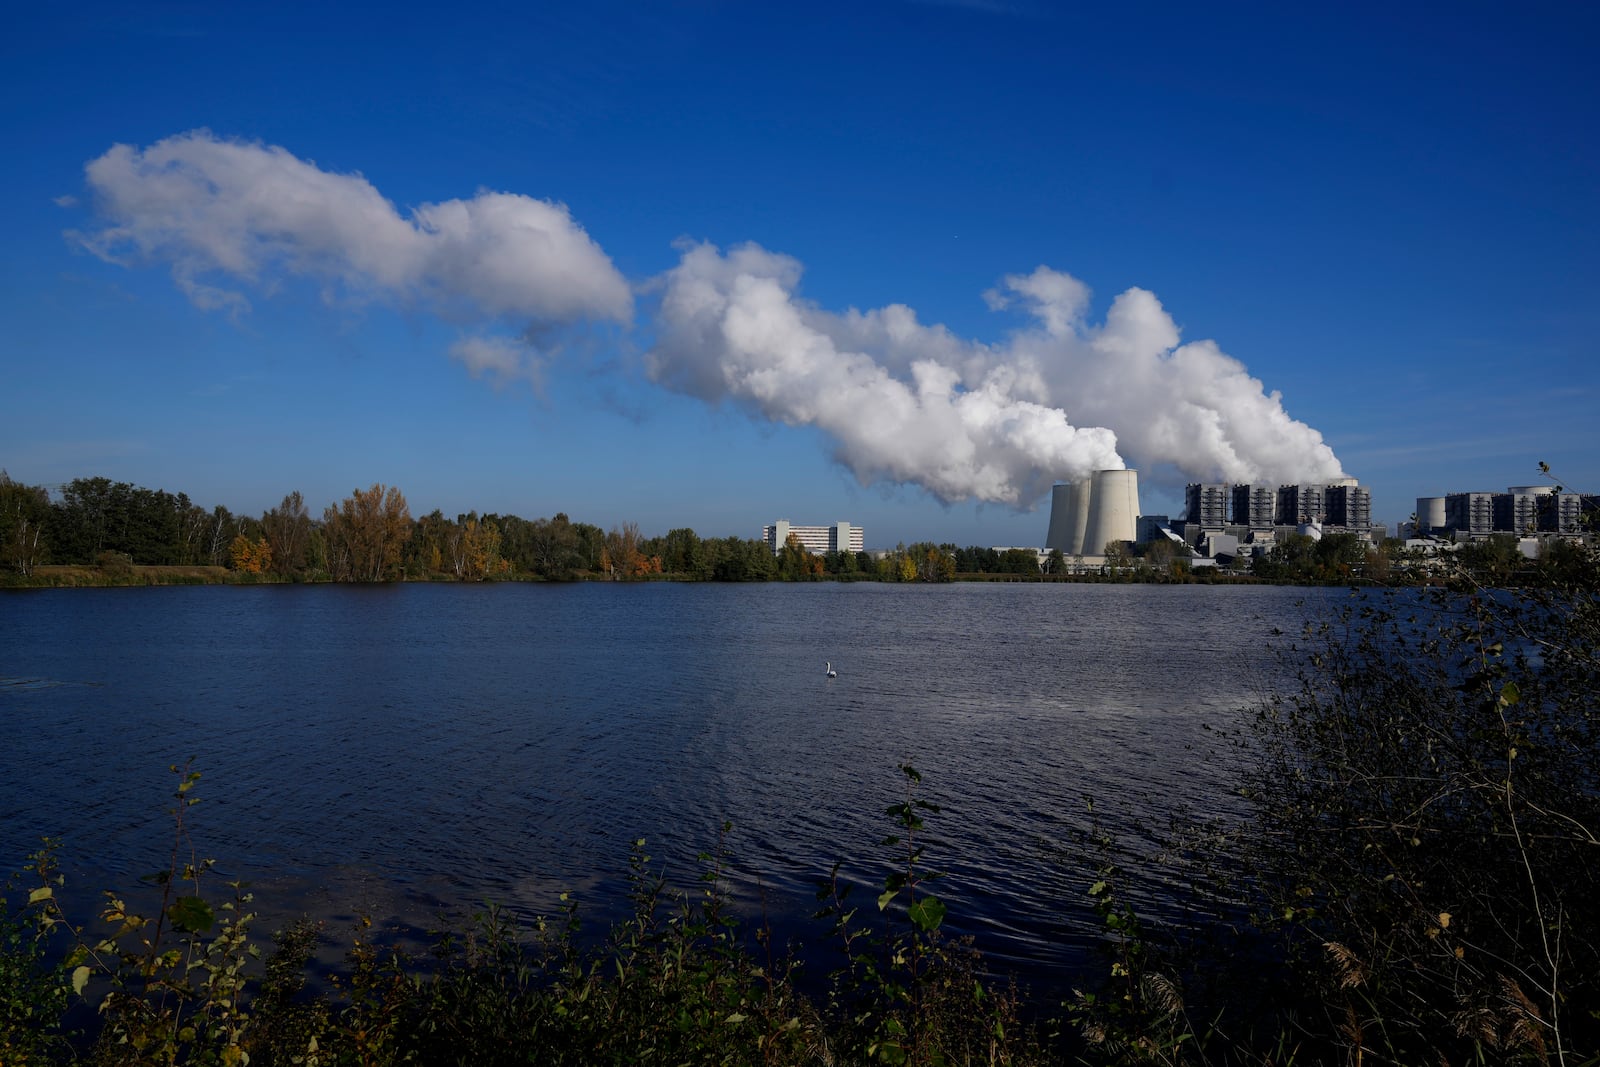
(831,672)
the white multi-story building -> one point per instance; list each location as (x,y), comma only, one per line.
(840,537)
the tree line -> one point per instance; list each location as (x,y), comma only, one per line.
(372,536)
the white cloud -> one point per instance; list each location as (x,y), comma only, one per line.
(499,359)
(913,403)
(219,210)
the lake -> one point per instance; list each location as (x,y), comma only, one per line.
(409,748)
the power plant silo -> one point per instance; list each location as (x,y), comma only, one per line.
(1085,514)
(1430,513)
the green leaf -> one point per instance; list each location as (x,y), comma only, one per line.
(927,913)
(1510,694)
(191,915)
(886,896)
(44,892)
(80,978)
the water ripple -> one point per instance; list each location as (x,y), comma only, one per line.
(424,746)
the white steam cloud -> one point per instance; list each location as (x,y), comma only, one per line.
(903,401)
(217,208)
(730,326)
(966,420)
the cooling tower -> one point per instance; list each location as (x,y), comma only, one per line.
(1113,510)
(1085,514)
(1430,513)
(1069,517)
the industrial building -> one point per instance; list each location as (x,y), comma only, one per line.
(1254,513)
(1087,514)
(1255,506)
(1349,505)
(817,540)
(1301,504)
(1521,510)
(1470,513)
(1207,504)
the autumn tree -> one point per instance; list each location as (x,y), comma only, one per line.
(367,534)
(621,553)
(250,557)
(287,528)
(472,548)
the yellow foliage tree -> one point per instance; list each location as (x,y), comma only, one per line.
(250,557)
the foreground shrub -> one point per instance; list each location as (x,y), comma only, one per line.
(1427,810)
(176,979)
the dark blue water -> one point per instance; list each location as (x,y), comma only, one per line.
(405,748)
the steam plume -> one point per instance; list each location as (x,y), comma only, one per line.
(730,326)
(914,403)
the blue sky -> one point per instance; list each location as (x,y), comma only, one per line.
(1390,218)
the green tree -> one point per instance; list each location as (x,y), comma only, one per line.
(1494,559)
(219,530)
(81,520)
(682,552)
(793,561)
(591,542)
(24,514)
(743,560)
(931,563)
(1019,561)
(553,547)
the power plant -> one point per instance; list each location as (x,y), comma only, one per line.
(1087,514)
(1220,519)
